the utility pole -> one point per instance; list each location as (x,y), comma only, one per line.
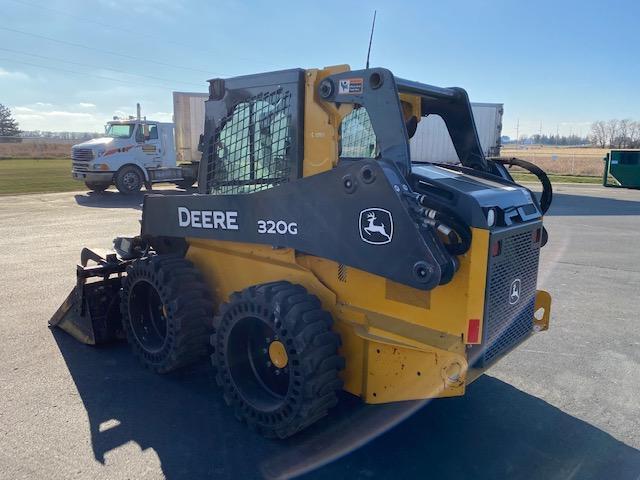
(518,133)
(540,133)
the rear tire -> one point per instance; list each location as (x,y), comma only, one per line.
(166,312)
(276,391)
(129,180)
(97,187)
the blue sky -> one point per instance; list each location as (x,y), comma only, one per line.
(562,63)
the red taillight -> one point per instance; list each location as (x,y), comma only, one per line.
(473,330)
(496,248)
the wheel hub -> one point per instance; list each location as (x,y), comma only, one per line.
(278,354)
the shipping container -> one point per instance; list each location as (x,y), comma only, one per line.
(432,143)
(188,117)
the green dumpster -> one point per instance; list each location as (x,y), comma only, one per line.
(622,169)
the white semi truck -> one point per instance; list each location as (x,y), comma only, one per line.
(136,151)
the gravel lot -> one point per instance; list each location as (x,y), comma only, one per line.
(564,405)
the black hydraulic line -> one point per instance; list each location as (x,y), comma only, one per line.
(445,221)
(547,189)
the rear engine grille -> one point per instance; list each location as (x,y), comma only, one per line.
(508,321)
(82,154)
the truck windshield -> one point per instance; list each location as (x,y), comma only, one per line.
(119,130)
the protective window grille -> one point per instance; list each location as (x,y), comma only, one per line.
(357,138)
(251,147)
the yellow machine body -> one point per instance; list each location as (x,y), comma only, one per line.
(399,343)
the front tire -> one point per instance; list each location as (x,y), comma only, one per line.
(276,358)
(129,180)
(186,183)
(97,187)
(166,312)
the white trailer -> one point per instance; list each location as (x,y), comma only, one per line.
(432,143)
(137,151)
(188,117)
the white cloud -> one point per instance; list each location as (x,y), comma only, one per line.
(13,75)
(57,119)
(43,104)
(86,105)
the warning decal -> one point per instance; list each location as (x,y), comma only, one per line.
(350,86)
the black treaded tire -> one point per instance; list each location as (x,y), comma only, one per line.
(166,312)
(186,183)
(297,320)
(129,179)
(97,187)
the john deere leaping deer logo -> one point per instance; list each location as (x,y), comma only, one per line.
(376,226)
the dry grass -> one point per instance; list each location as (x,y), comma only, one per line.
(36,150)
(559,160)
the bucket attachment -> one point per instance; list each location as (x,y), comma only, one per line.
(91,312)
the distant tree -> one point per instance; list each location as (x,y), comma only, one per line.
(8,125)
(622,137)
(612,128)
(599,133)
(634,135)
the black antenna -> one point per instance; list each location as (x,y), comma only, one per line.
(373,25)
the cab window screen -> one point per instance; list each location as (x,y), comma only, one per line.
(251,147)
(357,138)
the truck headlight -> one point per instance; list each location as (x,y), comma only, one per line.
(101,166)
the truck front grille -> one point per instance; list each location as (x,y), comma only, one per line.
(82,154)
(509,321)
(79,166)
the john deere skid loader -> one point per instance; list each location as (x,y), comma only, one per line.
(318,255)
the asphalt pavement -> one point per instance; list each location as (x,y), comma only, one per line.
(566,404)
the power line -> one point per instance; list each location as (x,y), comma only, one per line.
(130,31)
(81,73)
(131,57)
(100,67)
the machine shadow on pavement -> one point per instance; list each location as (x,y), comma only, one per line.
(565,204)
(114,199)
(495,431)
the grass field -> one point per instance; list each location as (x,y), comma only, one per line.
(29,175)
(43,150)
(560,160)
(527,177)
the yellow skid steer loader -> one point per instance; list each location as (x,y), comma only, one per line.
(318,255)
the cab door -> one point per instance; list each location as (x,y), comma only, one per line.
(149,145)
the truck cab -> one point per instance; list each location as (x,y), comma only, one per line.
(132,153)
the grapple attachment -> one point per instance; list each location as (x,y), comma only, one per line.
(91,311)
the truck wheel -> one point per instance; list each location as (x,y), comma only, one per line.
(97,186)
(276,358)
(166,312)
(186,183)
(129,179)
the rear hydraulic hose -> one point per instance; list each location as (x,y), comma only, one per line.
(447,224)
(547,189)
